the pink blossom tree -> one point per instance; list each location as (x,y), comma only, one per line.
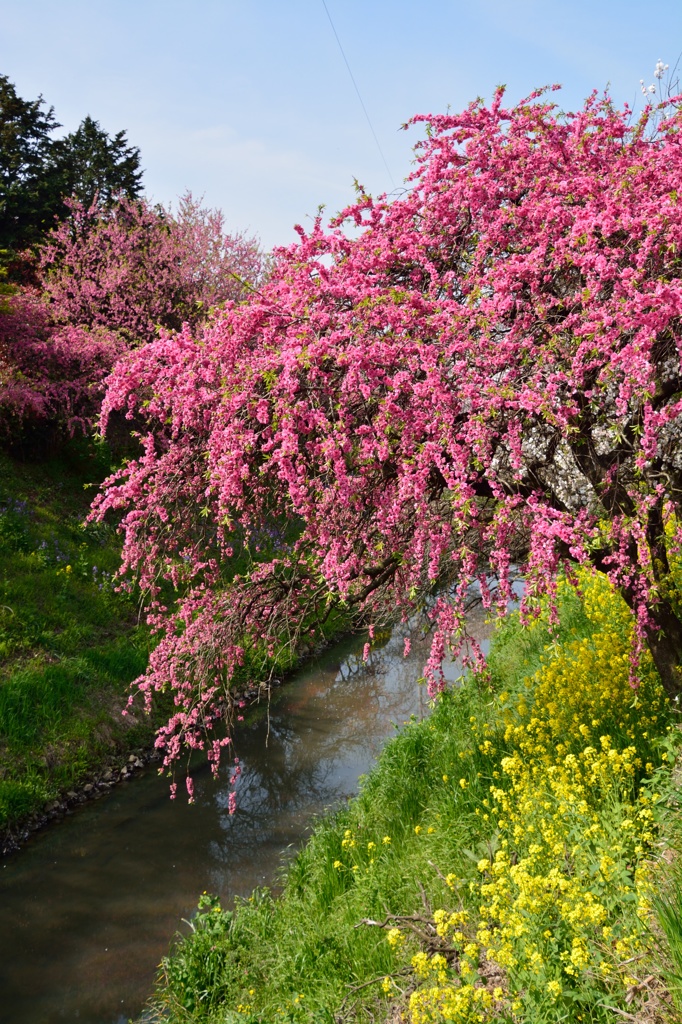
(138,269)
(109,279)
(50,377)
(215,266)
(484,378)
(112,267)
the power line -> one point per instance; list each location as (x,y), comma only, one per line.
(355,84)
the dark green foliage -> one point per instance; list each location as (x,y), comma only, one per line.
(97,167)
(30,181)
(37,171)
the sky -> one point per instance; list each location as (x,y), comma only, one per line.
(251,105)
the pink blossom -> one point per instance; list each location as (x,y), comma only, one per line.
(437,392)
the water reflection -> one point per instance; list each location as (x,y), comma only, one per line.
(89,907)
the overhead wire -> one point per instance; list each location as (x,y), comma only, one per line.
(357,90)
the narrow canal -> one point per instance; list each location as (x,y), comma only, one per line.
(91,905)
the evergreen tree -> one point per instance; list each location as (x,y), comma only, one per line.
(30,179)
(97,166)
(37,171)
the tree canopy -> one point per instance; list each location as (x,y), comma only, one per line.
(483,378)
(109,278)
(136,269)
(37,170)
(29,173)
(97,167)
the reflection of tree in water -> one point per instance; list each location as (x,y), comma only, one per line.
(322,731)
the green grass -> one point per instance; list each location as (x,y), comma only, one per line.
(69,644)
(667,905)
(307,942)
(305,955)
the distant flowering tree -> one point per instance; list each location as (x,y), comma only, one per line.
(112,278)
(485,379)
(215,266)
(138,269)
(49,376)
(112,267)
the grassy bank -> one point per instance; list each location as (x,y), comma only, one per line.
(69,644)
(499,864)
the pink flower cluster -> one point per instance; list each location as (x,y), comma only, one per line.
(50,373)
(481,378)
(112,279)
(136,269)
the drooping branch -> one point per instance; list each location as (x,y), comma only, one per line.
(481,379)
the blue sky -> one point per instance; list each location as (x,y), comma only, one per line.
(250,103)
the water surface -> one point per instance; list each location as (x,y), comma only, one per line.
(91,905)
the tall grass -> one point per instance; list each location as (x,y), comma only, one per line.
(408,855)
(69,643)
(667,906)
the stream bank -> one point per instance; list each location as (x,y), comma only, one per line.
(90,906)
(502,863)
(70,644)
(128,761)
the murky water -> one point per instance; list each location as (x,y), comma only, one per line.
(90,906)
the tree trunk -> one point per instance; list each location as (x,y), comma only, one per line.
(665,645)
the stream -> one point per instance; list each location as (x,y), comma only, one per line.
(90,905)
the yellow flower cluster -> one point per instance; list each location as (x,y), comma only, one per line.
(583,688)
(570,835)
(446,922)
(355,853)
(348,842)
(563,900)
(440,999)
